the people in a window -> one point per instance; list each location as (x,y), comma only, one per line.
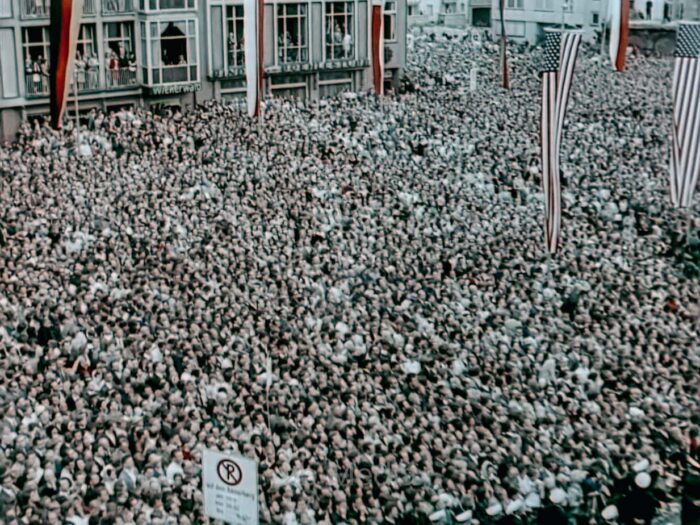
(339,41)
(93,70)
(174,46)
(37,74)
(80,68)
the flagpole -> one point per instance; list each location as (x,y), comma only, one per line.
(77,109)
(602,38)
(563,11)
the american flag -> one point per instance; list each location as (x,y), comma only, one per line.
(685,155)
(560,52)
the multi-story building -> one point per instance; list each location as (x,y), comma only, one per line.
(525,20)
(180,52)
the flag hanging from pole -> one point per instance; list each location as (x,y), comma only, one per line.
(505,80)
(378,46)
(619,17)
(253,36)
(685,148)
(63,41)
(560,53)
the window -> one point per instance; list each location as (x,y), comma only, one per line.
(292,37)
(515,4)
(144,52)
(544,5)
(568,6)
(117,6)
(120,57)
(339,30)
(157,5)
(87,64)
(173,53)
(35,47)
(390,21)
(234,36)
(596,19)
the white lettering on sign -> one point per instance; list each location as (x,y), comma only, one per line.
(174,89)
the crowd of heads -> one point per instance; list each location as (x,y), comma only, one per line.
(355,293)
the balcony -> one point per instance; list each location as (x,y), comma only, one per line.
(120,78)
(175,74)
(117,7)
(37,85)
(42,8)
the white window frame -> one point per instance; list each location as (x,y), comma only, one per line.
(354,24)
(85,41)
(131,39)
(145,6)
(41,85)
(233,6)
(160,27)
(129,43)
(516,4)
(391,15)
(544,5)
(307,47)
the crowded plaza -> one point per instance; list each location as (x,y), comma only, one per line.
(355,293)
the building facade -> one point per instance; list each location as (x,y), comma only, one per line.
(525,20)
(666,10)
(423,12)
(181,52)
(450,13)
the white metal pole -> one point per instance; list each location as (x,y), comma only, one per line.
(77,110)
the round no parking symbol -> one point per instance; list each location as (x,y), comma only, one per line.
(229,472)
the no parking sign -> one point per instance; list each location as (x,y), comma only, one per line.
(230,488)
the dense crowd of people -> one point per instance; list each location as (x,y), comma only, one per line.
(354,292)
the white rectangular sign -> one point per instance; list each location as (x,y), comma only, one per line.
(230,488)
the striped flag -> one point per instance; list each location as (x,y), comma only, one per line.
(378,45)
(505,80)
(560,52)
(254,37)
(619,17)
(685,154)
(63,41)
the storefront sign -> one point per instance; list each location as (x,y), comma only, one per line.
(296,68)
(173,89)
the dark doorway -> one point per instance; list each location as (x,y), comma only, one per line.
(481,17)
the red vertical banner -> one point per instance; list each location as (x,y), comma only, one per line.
(619,32)
(624,35)
(63,31)
(378,46)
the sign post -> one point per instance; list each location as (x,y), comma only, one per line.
(230,487)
